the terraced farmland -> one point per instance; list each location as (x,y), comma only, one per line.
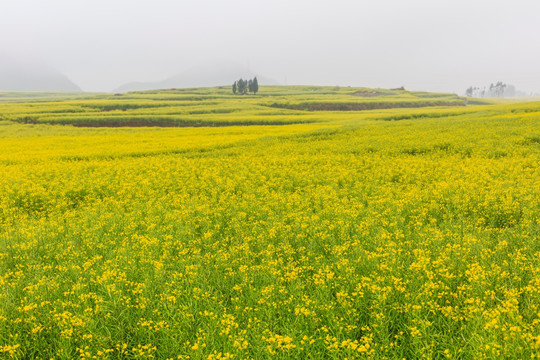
(160,225)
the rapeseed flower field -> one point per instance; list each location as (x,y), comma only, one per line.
(312,233)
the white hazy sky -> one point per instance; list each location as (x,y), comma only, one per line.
(422,44)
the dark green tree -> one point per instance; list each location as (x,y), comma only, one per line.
(250,85)
(255,85)
(242,86)
(234,88)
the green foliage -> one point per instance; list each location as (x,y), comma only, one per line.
(255,87)
(244,86)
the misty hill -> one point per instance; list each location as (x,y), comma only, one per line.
(27,75)
(202,76)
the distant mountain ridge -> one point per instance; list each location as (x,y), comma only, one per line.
(202,76)
(24,75)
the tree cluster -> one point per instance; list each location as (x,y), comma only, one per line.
(242,86)
(499,89)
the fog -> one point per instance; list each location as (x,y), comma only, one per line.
(420,44)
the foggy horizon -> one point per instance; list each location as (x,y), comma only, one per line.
(420,44)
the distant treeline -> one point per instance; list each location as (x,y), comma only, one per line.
(242,87)
(499,89)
